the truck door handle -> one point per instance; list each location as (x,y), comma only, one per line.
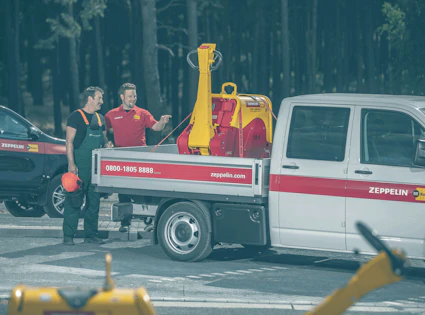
(363,172)
(291,167)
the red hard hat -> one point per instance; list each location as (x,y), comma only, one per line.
(71,182)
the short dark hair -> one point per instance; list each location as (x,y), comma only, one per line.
(91,91)
(125,87)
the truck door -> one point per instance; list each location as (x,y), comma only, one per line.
(21,159)
(313,176)
(385,190)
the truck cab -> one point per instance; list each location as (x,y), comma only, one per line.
(342,158)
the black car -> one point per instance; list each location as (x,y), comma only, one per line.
(31,167)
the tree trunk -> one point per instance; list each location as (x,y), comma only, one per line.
(313,54)
(12,30)
(35,72)
(75,94)
(150,62)
(370,61)
(285,50)
(56,79)
(100,65)
(339,48)
(192,22)
(137,69)
(359,49)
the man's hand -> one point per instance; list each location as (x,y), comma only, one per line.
(72,168)
(109,144)
(165,119)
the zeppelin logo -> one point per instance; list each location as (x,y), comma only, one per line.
(388,191)
(12,146)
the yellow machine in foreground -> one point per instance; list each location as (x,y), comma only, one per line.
(238,125)
(386,268)
(81,301)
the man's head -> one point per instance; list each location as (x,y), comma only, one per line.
(128,95)
(93,96)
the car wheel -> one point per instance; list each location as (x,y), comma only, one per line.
(56,198)
(22,209)
(183,232)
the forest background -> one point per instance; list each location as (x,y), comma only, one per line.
(50,50)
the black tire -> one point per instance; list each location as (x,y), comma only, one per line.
(56,198)
(23,210)
(183,232)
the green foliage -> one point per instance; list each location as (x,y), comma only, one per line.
(91,9)
(66,25)
(395,26)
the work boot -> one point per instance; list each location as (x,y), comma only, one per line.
(68,241)
(123,229)
(94,240)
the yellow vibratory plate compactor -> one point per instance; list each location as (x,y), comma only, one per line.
(238,125)
(82,301)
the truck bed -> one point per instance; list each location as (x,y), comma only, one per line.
(165,173)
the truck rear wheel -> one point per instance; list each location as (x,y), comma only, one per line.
(183,232)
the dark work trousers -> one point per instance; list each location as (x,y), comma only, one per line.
(83,160)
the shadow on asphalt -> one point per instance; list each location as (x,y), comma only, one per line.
(322,262)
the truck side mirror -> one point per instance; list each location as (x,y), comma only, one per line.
(419,159)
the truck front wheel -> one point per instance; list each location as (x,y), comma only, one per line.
(183,232)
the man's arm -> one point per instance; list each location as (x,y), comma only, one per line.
(107,143)
(70,135)
(161,123)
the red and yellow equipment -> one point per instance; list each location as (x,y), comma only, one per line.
(238,125)
(81,301)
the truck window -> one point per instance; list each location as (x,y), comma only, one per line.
(389,138)
(318,133)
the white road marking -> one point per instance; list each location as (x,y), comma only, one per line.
(256,270)
(208,276)
(323,260)
(66,270)
(193,277)
(268,269)
(232,273)
(244,271)
(282,306)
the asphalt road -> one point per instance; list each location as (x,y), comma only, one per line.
(232,280)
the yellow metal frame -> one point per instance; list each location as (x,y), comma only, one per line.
(202,129)
(115,301)
(374,274)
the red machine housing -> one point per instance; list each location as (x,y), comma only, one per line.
(226,142)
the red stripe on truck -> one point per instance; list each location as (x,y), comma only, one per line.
(347,188)
(177,172)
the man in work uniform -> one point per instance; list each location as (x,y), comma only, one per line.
(128,124)
(85,131)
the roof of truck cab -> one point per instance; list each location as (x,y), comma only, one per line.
(371,99)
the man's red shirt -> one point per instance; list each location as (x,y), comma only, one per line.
(129,127)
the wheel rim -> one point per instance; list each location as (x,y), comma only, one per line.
(58,199)
(182,233)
